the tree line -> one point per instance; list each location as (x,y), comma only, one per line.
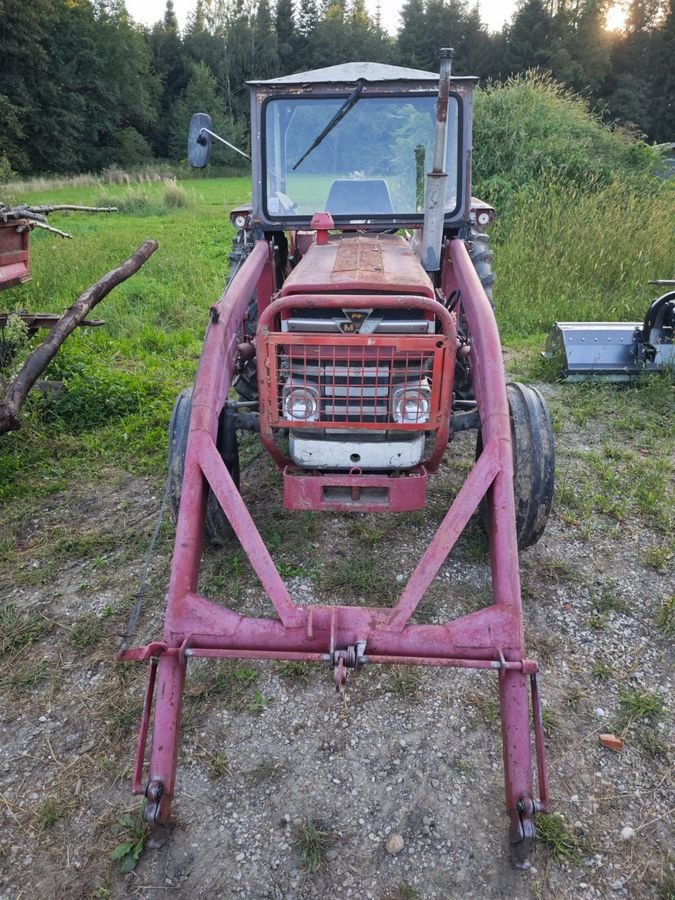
(83,86)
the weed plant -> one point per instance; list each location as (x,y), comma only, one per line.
(311,840)
(556,834)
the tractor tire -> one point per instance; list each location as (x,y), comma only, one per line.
(217,527)
(478,246)
(533,463)
(481,257)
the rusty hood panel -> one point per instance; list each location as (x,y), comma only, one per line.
(381,263)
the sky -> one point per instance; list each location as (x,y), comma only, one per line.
(493,12)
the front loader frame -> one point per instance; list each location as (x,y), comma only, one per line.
(346,637)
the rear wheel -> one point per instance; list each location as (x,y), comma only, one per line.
(533,462)
(217,526)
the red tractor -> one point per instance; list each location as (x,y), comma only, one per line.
(358,330)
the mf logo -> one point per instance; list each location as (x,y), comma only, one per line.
(354,320)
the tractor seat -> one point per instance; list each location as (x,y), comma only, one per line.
(360,196)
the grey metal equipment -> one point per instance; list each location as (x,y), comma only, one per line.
(617,351)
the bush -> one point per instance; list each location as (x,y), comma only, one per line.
(531,130)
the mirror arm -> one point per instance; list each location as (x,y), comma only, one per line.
(202,140)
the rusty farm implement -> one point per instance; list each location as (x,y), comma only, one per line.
(358,330)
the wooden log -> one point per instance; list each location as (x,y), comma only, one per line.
(40,358)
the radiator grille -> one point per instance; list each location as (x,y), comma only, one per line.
(358,381)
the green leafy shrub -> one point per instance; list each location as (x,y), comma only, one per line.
(530,130)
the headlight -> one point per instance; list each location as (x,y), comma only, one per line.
(300,402)
(411,404)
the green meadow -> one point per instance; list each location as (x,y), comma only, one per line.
(120,379)
(583,224)
(560,253)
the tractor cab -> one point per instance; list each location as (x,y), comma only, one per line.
(356,141)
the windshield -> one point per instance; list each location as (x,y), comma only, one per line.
(372,162)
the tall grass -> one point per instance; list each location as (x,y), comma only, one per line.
(582,224)
(120,379)
(568,254)
(14,190)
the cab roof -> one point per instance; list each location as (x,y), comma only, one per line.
(349,73)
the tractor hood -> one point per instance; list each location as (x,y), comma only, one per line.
(381,264)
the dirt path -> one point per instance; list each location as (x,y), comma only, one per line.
(276,768)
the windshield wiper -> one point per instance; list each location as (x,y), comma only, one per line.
(339,115)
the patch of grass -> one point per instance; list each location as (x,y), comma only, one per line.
(659,556)
(359,577)
(557,571)
(488,706)
(290,570)
(175,196)
(602,670)
(639,706)
(228,680)
(311,840)
(266,770)
(544,644)
(474,542)
(18,630)
(134,832)
(554,833)
(87,632)
(258,704)
(575,697)
(402,891)
(219,764)
(118,709)
(597,621)
(405,681)
(550,720)
(24,677)
(463,766)
(50,812)
(665,890)
(372,530)
(664,621)
(294,670)
(608,599)
(135,201)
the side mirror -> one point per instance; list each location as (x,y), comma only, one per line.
(199,140)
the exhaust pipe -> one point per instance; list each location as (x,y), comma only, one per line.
(437,179)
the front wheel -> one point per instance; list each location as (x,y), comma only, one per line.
(217,526)
(533,462)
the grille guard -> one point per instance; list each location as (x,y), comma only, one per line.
(356,350)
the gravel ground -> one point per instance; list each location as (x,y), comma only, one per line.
(395,789)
